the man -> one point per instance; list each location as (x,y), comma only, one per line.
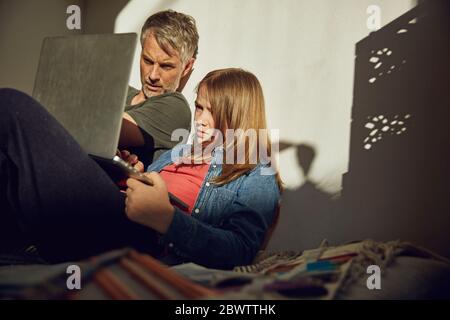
(169,48)
(169,42)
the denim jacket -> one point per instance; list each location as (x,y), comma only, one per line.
(228,223)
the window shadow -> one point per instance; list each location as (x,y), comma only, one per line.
(397,185)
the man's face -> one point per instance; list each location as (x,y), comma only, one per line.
(161,71)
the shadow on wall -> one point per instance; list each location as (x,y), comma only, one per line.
(397,186)
(24,24)
(306,212)
(100,15)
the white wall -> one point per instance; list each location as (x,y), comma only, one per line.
(303,53)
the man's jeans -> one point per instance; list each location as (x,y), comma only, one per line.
(52,193)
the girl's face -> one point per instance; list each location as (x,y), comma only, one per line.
(203,119)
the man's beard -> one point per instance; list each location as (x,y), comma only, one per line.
(148,93)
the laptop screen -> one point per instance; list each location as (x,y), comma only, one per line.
(82,80)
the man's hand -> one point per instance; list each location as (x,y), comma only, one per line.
(149,205)
(131,159)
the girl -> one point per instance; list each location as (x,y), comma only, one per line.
(57,198)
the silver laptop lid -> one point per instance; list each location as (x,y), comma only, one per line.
(82,80)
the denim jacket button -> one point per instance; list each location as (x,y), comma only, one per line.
(207,184)
(196,210)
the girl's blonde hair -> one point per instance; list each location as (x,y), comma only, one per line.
(237,102)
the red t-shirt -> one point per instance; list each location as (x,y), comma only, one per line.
(184,181)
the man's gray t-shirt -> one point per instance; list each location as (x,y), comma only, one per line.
(158,117)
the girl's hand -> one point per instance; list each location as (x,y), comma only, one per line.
(149,205)
(131,159)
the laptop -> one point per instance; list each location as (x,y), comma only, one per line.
(82,80)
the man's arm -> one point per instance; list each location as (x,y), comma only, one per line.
(153,122)
(130,134)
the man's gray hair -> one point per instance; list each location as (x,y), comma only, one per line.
(173,29)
